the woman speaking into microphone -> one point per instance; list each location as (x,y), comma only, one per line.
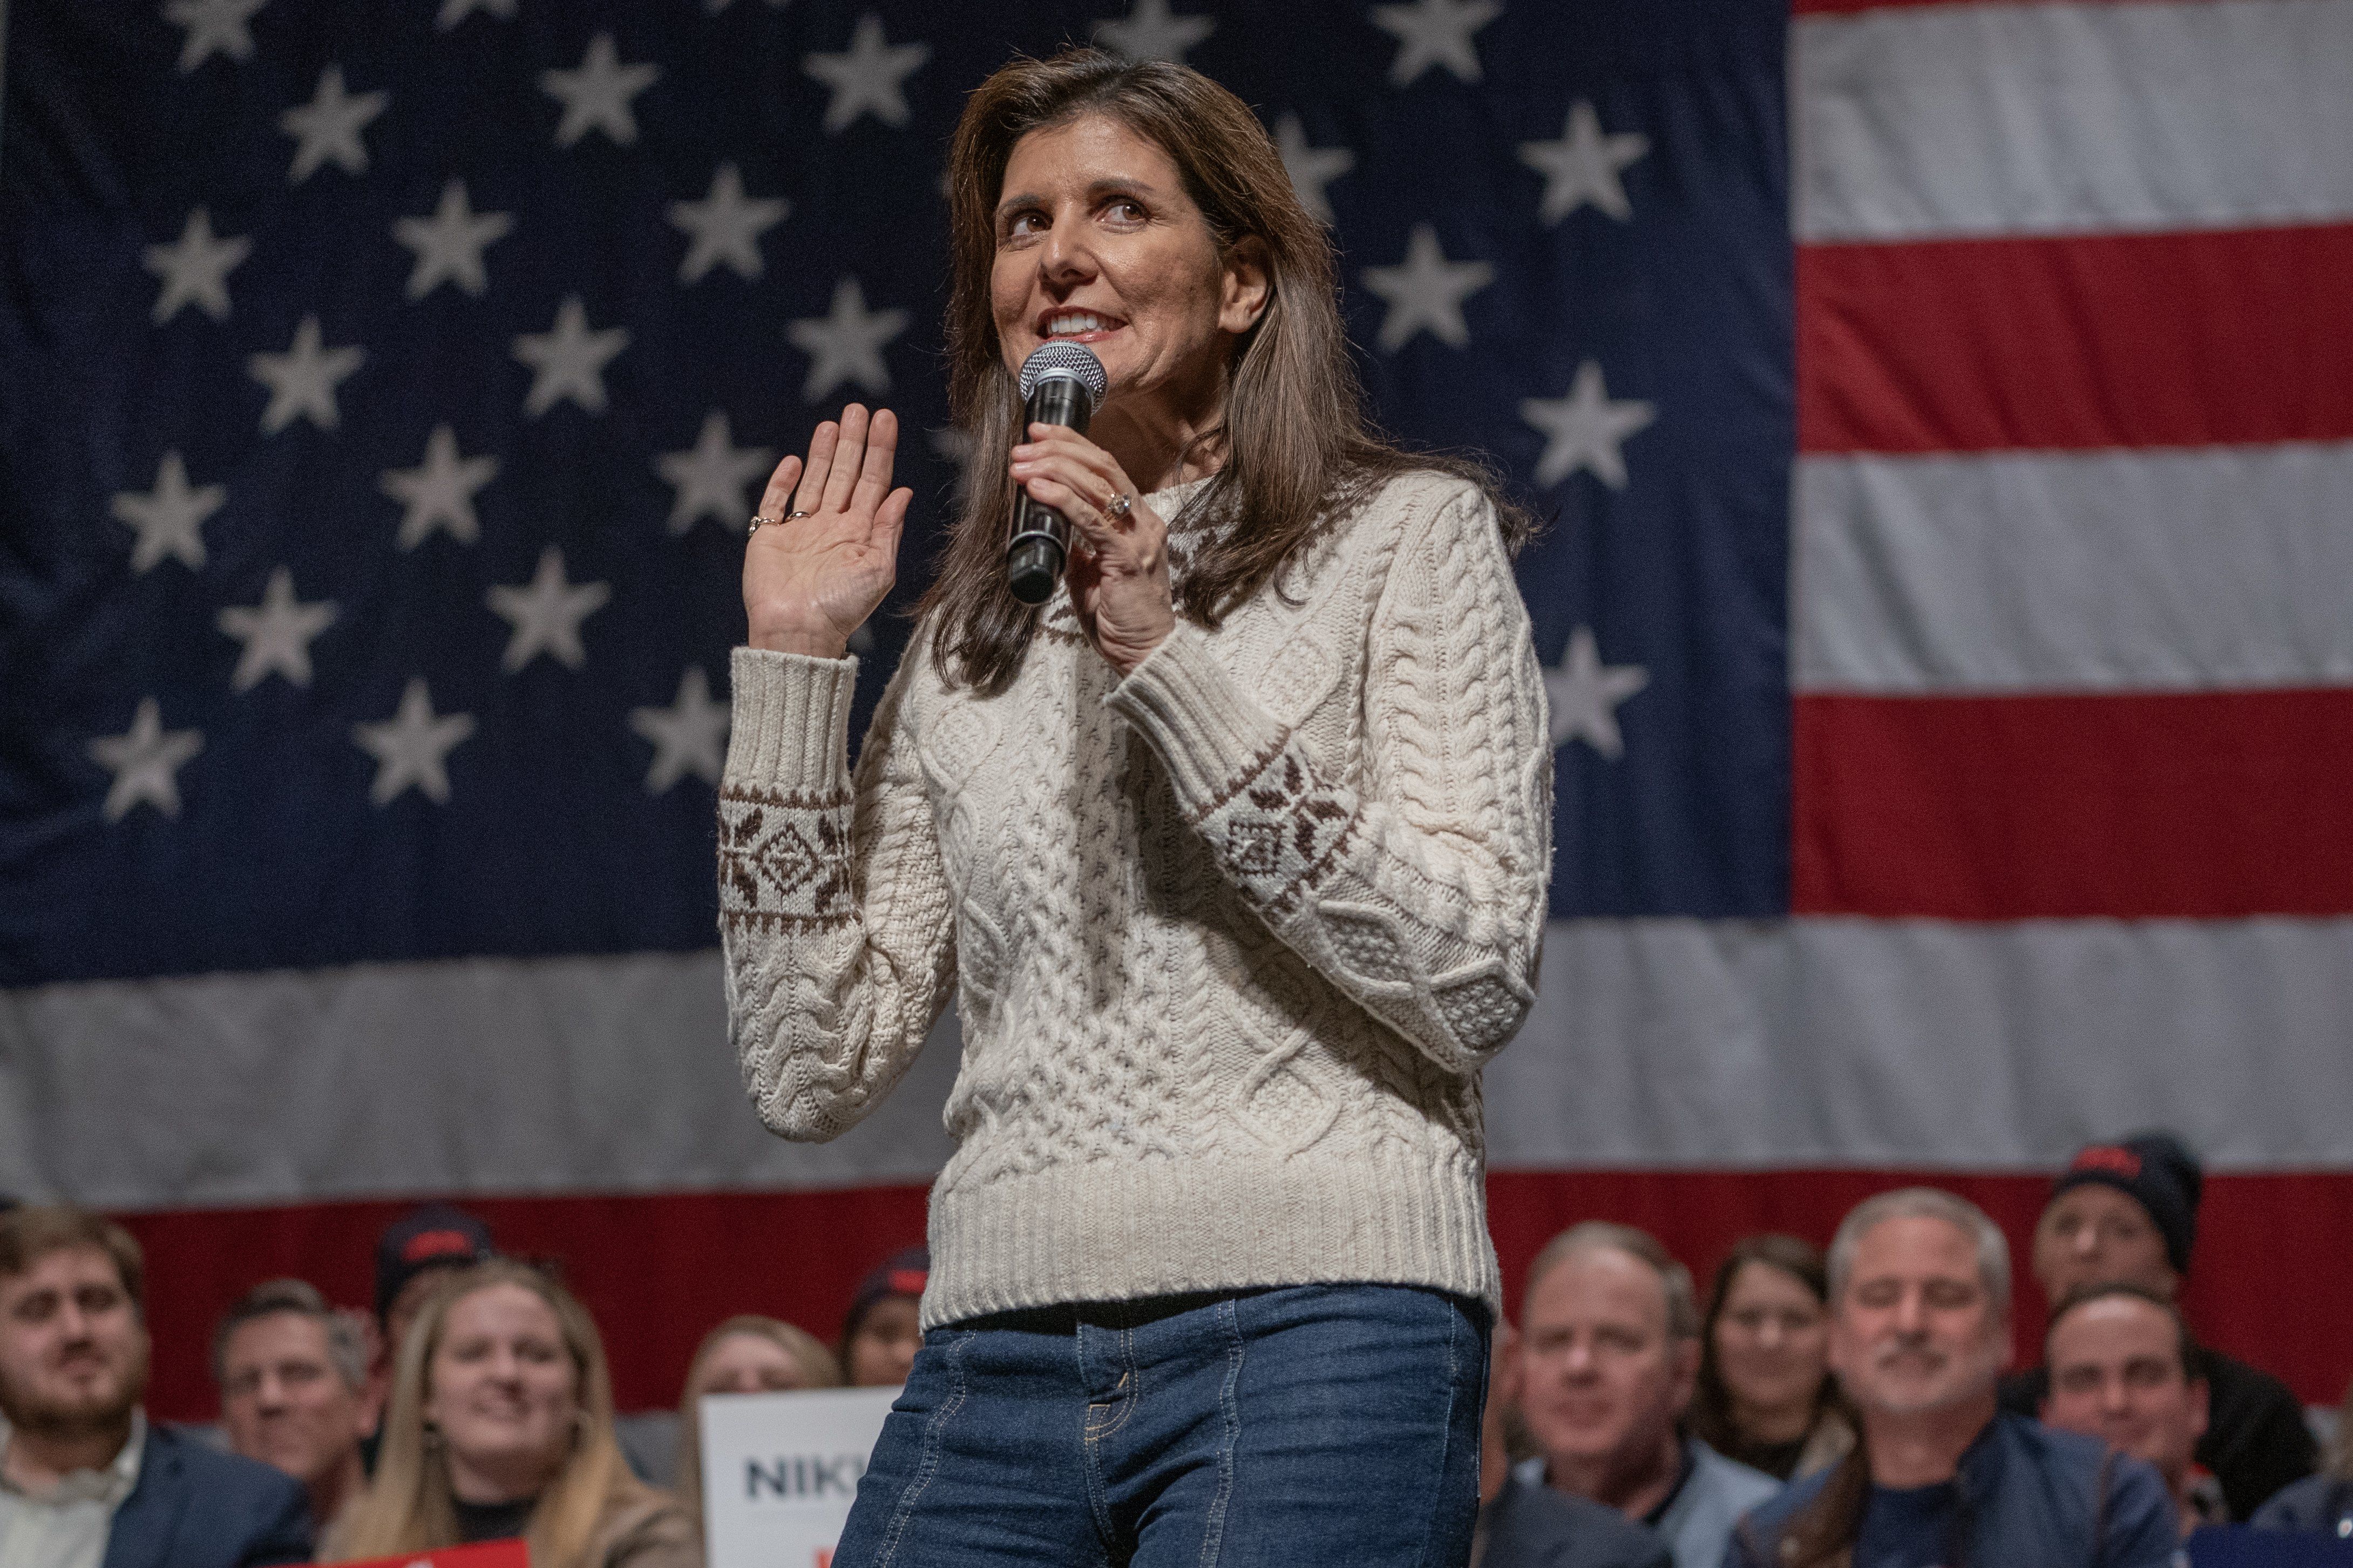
(1233,853)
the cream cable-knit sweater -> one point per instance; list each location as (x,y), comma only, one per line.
(1230,938)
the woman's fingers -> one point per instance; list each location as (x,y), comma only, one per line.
(874,474)
(776,500)
(891,521)
(848,458)
(822,443)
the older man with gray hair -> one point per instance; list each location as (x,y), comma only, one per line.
(295,1391)
(1609,1358)
(1920,1334)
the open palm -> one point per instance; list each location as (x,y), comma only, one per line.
(811,581)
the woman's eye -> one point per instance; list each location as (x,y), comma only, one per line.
(1022,225)
(1124,211)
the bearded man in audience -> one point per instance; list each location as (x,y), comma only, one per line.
(1941,1479)
(1608,1361)
(85,1480)
(2125,1370)
(295,1390)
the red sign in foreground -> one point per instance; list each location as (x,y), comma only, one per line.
(489,1554)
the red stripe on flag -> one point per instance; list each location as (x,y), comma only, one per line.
(658,1272)
(2195,805)
(2161,340)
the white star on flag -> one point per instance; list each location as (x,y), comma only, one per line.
(277,633)
(146,759)
(568,360)
(1583,165)
(455,11)
(688,736)
(710,480)
(725,227)
(448,245)
(868,78)
(546,613)
(1150,33)
(412,747)
(329,126)
(194,268)
(846,343)
(1582,695)
(1435,33)
(168,517)
(1310,168)
(214,26)
(439,493)
(303,379)
(597,95)
(1585,429)
(1426,291)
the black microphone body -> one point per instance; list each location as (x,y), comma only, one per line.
(1061,384)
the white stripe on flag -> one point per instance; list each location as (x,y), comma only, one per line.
(2159,571)
(1950,121)
(1677,1043)
(1655,1044)
(495,1076)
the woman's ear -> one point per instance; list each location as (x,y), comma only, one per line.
(1248,284)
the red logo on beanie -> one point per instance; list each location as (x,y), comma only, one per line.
(907,1281)
(427,1244)
(2108,1157)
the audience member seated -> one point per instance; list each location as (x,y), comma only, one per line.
(1524,1523)
(743,1355)
(2128,1212)
(1766,1396)
(882,1330)
(295,1391)
(414,1255)
(85,1479)
(2124,1370)
(2320,1504)
(1919,1283)
(1611,1353)
(500,1426)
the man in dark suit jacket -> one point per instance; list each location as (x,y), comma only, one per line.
(85,1482)
(1525,1523)
(195,1507)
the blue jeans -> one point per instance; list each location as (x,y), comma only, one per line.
(1295,1427)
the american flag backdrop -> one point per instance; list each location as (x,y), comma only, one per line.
(1945,413)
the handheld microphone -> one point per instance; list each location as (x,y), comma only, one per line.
(1060,384)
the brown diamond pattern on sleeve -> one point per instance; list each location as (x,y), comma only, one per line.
(783,858)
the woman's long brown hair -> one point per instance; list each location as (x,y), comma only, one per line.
(1298,449)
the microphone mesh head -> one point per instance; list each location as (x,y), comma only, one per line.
(1070,359)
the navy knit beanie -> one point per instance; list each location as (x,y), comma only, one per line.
(2157,1170)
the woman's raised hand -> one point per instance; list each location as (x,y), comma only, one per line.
(1118,571)
(811,580)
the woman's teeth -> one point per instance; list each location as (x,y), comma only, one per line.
(1071,326)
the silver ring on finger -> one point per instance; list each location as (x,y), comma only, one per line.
(758,521)
(1116,508)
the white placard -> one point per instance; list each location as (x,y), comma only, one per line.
(780,1471)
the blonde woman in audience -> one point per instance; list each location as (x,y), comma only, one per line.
(743,1355)
(501,1428)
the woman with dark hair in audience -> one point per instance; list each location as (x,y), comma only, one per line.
(882,1330)
(501,1428)
(747,1354)
(1233,853)
(1765,1395)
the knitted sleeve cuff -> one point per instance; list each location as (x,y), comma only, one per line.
(791,728)
(1210,732)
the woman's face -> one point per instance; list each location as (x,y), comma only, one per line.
(1098,244)
(1772,1340)
(883,1351)
(502,1390)
(747,1363)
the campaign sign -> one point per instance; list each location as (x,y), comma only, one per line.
(489,1554)
(779,1472)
